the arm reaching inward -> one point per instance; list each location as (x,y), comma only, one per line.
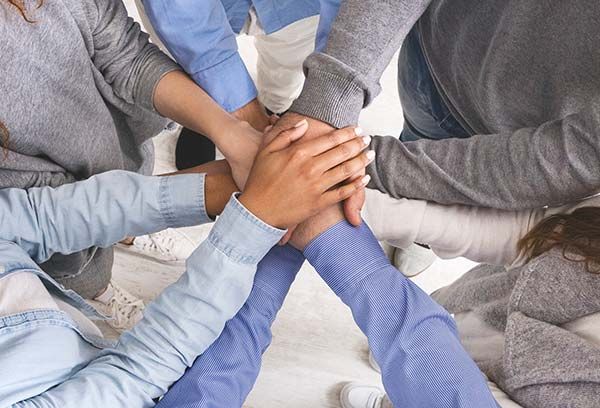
(413,339)
(189,315)
(102,210)
(551,165)
(224,375)
(480,234)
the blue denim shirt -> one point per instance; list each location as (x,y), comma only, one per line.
(45,359)
(201,37)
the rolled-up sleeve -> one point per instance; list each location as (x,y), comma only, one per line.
(200,38)
(129,63)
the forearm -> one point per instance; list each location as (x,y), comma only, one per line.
(179,98)
(413,339)
(224,375)
(345,77)
(99,211)
(551,165)
(480,234)
(200,38)
(179,325)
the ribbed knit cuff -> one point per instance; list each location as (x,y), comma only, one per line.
(330,97)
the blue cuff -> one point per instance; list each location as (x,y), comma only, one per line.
(344,255)
(228,83)
(242,236)
(181,200)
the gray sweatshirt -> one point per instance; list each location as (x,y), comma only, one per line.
(76,92)
(522,77)
(543,365)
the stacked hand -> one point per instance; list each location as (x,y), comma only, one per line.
(293,179)
(353,205)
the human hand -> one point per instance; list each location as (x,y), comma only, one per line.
(354,204)
(316,128)
(315,226)
(255,114)
(292,180)
(241,150)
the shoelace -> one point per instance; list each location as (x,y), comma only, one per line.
(124,304)
(159,242)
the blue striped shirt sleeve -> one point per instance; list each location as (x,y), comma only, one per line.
(225,374)
(413,339)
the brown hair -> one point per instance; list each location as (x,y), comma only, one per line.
(576,234)
(20,5)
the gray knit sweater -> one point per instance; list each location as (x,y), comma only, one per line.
(522,76)
(543,365)
(76,92)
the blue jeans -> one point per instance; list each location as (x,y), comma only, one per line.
(426,115)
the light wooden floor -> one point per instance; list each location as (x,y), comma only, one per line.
(316,345)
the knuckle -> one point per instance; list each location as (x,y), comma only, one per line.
(345,151)
(299,154)
(346,169)
(334,138)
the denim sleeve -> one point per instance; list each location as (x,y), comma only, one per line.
(224,375)
(178,326)
(200,38)
(413,339)
(99,211)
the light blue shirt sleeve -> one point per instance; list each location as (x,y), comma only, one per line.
(99,211)
(413,339)
(178,326)
(224,375)
(329,11)
(199,36)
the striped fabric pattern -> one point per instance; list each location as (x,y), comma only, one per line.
(413,339)
(224,375)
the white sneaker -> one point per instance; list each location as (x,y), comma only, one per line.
(413,260)
(356,395)
(122,308)
(169,245)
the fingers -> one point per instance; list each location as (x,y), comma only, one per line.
(353,207)
(287,137)
(346,191)
(273,119)
(329,141)
(341,153)
(347,169)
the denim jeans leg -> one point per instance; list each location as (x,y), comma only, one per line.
(426,115)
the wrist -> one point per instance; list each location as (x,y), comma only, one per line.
(218,189)
(261,211)
(315,226)
(254,114)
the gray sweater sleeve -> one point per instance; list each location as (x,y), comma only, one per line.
(123,54)
(344,79)
(553,164)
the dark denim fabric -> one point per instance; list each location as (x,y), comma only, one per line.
(426,115)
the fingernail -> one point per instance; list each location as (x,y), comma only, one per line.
(366,140)
(365,180)
(301,123)
(358,131)
(371,155)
